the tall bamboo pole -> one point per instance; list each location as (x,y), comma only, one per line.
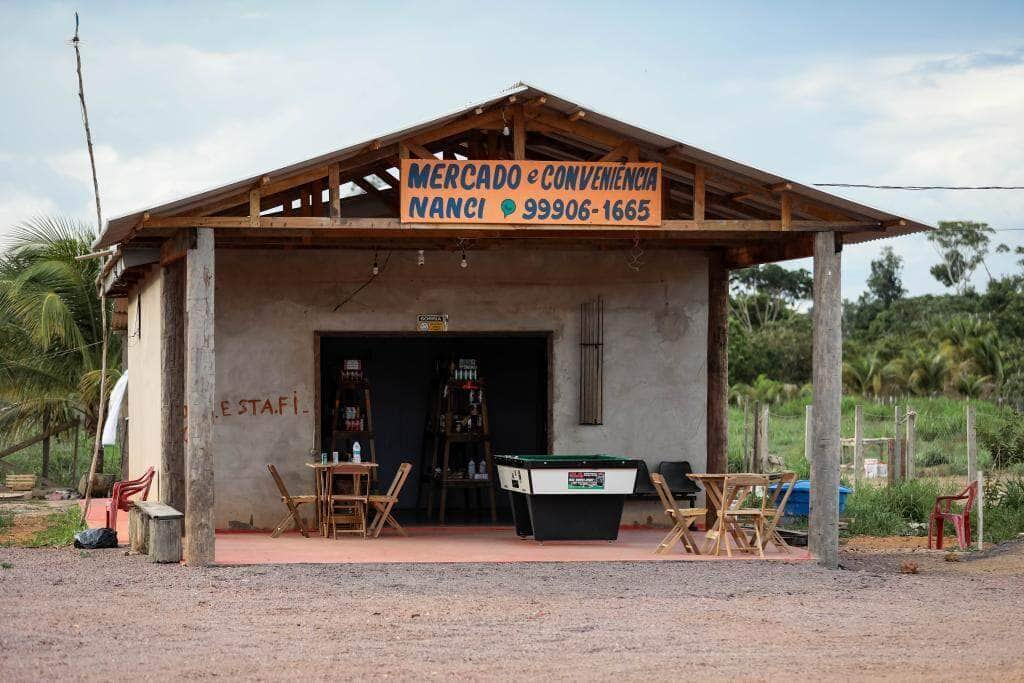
(103,297)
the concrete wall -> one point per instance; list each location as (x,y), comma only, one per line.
(143,341)
(269,303)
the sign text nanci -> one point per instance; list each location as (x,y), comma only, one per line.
(538,192)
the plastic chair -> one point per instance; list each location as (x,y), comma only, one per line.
(123,490)
(961,519)
(643,486)
(675,473)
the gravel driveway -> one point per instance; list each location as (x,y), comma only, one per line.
(104,615)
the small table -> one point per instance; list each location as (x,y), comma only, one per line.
(714,485)
(325,473)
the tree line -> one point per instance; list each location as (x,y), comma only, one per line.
(963,343)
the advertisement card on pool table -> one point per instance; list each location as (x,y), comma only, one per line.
(586,481)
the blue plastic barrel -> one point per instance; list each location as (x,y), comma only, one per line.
(799,504)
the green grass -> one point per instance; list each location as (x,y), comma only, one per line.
(60,530)
(941,432)
(941,463)
(6,565)
(880,510)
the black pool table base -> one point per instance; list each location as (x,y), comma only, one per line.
(578,517)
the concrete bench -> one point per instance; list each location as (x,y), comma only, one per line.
(154,529)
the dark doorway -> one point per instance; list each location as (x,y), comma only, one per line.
(401,371)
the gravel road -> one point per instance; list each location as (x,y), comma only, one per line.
(102,615)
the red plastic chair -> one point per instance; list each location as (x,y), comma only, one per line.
(123,490)
(961,519)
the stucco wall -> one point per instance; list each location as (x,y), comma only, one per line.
(268,305)
(143,340)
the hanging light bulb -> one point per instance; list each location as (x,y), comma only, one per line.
(464,263)
(504,131)
(376,268)
(420,258)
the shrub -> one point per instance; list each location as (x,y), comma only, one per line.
(933,457)
(1004,439)
(889,510)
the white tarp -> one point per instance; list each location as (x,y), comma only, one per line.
(114,410)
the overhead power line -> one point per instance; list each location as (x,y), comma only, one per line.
(922,187)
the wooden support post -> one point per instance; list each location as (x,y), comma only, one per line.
(823,531)
(897,447)
(200,389)
(808,442)
(751,464)
(761,440)
(981,509)
(786,210)
(717,372)
(518,133)
(858,444)
(699,176)
(334,190)
(254,208)
(45,469)
(911,442)
(171,479)
(972,445)
(74,455)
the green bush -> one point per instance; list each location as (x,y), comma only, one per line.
(1004,440)
(890,510)
(933,457)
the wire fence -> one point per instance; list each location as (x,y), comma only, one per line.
(939,440)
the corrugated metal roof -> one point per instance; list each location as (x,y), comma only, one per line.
(118,228)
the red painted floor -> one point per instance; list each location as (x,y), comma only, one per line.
(425,544)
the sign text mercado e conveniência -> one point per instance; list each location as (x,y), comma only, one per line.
(543,192)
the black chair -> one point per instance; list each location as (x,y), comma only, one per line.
(681,486)
(643,488)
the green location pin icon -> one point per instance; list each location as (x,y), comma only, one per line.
(507,207)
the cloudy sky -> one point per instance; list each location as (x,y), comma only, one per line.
(185,96)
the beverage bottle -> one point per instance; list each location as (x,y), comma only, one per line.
(334,457)
(357,452)
(471,469)
(483,468)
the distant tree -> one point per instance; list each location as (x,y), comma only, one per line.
(962,246)
(885,283)
(764,293)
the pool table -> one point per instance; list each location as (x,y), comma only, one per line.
(567,497)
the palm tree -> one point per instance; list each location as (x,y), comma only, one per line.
(864,375)
(923,372)
(50,330)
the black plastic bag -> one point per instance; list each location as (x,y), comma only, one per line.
(92,539)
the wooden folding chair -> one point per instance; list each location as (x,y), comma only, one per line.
(383,503)
(292,502)
(682,517)
(777,495)
(736,487)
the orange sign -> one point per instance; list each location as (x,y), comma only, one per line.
(533,192)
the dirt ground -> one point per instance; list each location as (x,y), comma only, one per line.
(103,614)
(29,517)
